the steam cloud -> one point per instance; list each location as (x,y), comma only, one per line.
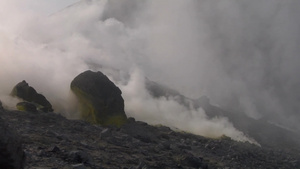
(242,54)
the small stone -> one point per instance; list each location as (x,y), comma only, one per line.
(105,133)
(55,149)
(79,166)
(166,145)
(80,157)
(142,165)
(192,161)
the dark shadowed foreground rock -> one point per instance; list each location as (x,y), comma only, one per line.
(100,99)
(1,107)
(11,152)
(28,93)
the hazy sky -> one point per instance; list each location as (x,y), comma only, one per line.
(47,7)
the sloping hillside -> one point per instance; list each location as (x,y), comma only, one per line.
(51,141)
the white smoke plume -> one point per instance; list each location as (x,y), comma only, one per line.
(241,54)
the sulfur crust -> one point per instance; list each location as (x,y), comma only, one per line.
(21,108)
(90,114)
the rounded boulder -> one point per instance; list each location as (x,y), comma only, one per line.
(99,98)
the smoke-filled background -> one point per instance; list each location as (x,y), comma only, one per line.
(242,54)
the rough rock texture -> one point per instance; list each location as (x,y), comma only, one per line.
(1,107)
(100,99)
(26,106)
(28,93)
(52,141)
(11,153)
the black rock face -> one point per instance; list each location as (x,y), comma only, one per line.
(11,151)
(100,99)
(1,107)
(28,93)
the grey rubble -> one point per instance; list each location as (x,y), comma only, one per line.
(52,141)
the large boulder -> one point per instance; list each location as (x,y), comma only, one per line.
(11,153)
(100,99)
(29,94)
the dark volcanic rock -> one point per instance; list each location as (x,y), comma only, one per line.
(52,141)
(138,132)
(26,106)
(1,107)
(11,152)
(80,157)
(28,93)
(100,99)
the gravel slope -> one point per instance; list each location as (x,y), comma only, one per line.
(52,141)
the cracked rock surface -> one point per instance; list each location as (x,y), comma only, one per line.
(52,141)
